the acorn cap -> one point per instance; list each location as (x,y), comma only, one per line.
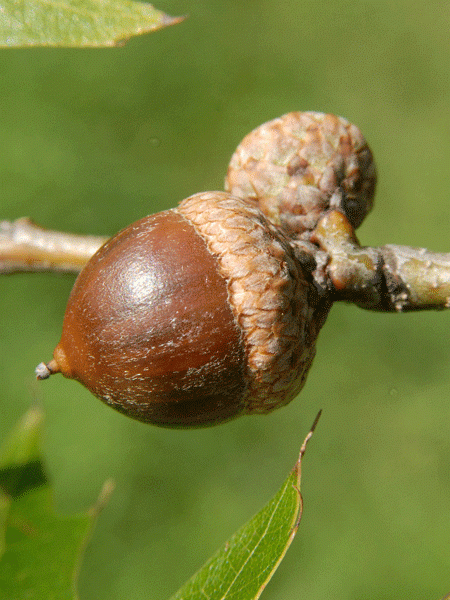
(270,297)
(299,165)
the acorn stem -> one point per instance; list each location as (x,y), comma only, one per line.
(389,278)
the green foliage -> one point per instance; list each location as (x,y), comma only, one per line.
(41,550)
(241,569)
(76,23)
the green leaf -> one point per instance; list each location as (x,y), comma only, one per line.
(241,569)
(77,23)
(40,551)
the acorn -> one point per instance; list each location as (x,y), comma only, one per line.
(192,316)
(296,167)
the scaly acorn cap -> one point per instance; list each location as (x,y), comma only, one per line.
(301,164)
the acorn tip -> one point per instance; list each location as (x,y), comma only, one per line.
(43,371)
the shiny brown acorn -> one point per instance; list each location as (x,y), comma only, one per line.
(192,316)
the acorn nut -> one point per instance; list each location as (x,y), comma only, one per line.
(192,316)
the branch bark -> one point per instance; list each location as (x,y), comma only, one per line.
(389,278)
(25,246)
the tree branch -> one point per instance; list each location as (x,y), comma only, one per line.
(390,278)
(25,246)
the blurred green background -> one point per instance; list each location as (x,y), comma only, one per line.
(91,140)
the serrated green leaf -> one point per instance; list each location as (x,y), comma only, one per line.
(77,23)
(41,549)
(241,569)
